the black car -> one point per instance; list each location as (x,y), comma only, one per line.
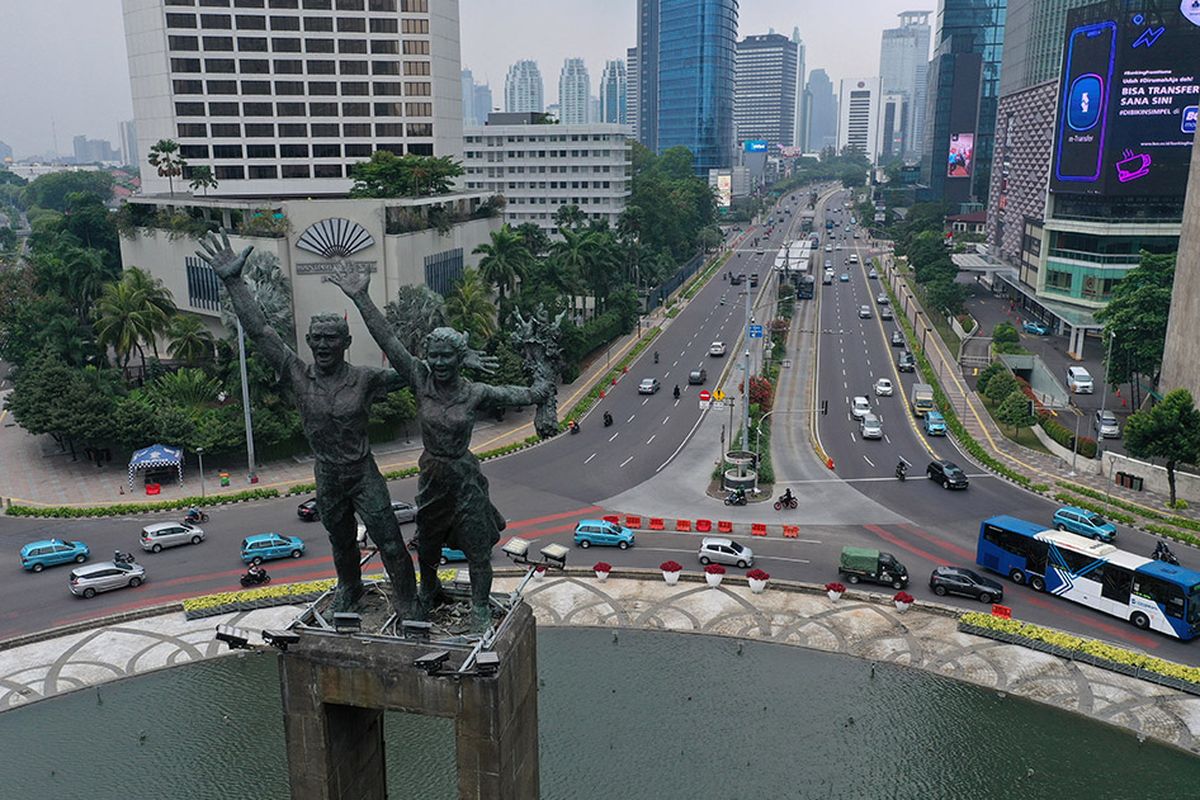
(965,582)
(947,473)
(906,362)
(697,377)
(307,510)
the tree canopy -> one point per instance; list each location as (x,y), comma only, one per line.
(1137,317)
(389,175)
(1170,431)
(52,191)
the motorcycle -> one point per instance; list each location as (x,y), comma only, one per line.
(122,558)
(677,392)
(573,427)
(786,502)
(1163,553)
(655,356)
(195,515)
(737,498)
(901,471)
(255,578)
(608,420)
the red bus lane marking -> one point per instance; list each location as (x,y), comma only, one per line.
(959,550)
(525,523)
(888,537)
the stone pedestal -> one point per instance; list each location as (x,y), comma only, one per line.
(337,686)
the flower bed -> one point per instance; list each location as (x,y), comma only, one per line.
(1078,648)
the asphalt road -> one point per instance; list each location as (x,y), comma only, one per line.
(544,491)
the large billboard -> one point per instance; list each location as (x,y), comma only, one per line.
(1128,99)
(755,145)
(961,158)
(724,189)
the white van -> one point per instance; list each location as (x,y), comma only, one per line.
(1079,380)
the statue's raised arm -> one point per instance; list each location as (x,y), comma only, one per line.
(218,254)
(354,283)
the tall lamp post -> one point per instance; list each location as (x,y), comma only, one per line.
(200,454)
(1104,393)
(246,403)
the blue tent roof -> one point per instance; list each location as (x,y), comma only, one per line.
(156,455)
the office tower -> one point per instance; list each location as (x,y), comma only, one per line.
(129,148)
(697,46)
(903,69)
(764,100)
(614,93)
(574,91)
(482,104)
(963,91)
(858,116)
(468,97)
(88,151)
(647,72)
(286,108)
(631,97)
(894,117)
(523,89)
(823,111)
(800,137)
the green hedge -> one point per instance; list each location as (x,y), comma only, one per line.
(694,285)
(120,509)
(1066,437)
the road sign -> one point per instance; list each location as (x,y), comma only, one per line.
(704,405)
(717,404)
(718,395)
(756,332)
(705,396)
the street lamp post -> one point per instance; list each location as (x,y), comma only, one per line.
(1104,393)
(200,454)
(246,401)
(1075,443)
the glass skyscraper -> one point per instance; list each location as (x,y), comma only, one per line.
(697,47)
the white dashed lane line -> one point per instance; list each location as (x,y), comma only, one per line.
(631,416)
(626,461)
(615,435)
(651,439)
(589,458)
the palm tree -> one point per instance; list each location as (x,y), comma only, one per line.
(188,389)
(569,216)
(191,342)
(123,321)
(202,178)
(86,276)
(415,312)
(504,261)
(159,305)
(165,157)
(468,308)
(271,289)
(570,258)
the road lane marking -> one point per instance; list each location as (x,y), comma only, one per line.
(615,435)
(651,439)
(886,439)
(664,422)
(589,458)
(869,461)
(647,400)
(631,416)
(626,461)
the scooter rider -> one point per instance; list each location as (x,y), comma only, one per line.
(608,420)
(655,356)
(787,497)
(901,469)
(677,391)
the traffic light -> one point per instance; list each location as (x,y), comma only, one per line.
(824,408)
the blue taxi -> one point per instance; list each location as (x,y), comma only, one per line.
(36,556)
(601,532)
(267,546)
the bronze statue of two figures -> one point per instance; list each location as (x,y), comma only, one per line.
(334,400)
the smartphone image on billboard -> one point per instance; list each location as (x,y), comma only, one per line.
(1091,51)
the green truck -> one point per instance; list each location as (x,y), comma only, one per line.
(864,564)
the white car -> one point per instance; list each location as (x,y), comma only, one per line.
(716,349)
(883,388)
(649,386)
(860,406)
(871,427)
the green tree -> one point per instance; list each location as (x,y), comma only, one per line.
(165,157)
(1014,411)
(1001,386)
(389,175)
(191,342)
(157,300)
(273,291)
(710,237)
(1137,317)
(51,191)
(536,242)
(946,295)
(202,178)
(1005,333)
(504,261)
(123,321)
(990,371)
(852,178)
(72,405)
(186,389)
(1170,431)
(569,216)
(415,312)
(468,308)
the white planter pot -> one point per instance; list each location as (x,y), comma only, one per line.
(758,587)
(902,606)
(538,575)
(602,576)
(834,595)
(714,580)
(671,578)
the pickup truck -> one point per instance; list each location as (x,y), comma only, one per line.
(864,564)
(921,399)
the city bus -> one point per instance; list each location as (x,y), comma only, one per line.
(1153,595)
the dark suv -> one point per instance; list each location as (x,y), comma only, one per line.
(947,473)
(906,362)
(965,582)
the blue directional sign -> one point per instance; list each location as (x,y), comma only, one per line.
(756,332)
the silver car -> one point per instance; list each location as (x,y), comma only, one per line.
(871,427)
(1105,423)
(104,576)
(170,534)
(725,551)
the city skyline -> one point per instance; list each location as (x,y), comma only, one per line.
(91,94)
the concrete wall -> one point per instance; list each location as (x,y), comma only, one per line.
(1088,466)
(1187,486)
(1181,355)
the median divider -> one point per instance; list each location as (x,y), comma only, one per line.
(683,525)
(724,526)
(615,519)
(632,521)
(758,529)
(656,524)
(791,531)
(703,525)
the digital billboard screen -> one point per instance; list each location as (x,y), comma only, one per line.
(1128,99)
(724,189)
(755,145)
(961,157)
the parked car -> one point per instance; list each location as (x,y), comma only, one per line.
(725,551)
(104,576)
(1106,425)
(906,363)
(947,473)
(897,338)
(36,556)
(649,386)
(307,510)
(160,535)
(885,312)
(1079,380)
(860,406)
(1036,328)
(266,546)
(882,299)
(605,534)
(935,423)
(1085,523)
(871,427)
(864,312)
(716,349)
(883,388)
(965,582)
(697,377)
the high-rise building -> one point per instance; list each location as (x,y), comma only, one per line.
(632,103)
(468,97)
(289,111)
(963,91)
(903,69)
(647,72)
(523,88)
(822,114)
(764,99)
(574,92)
(894,119)
(697,47)
(6,152)
(1036,30)
(89,151)
(614,93)
(858,116)
(482,104)
(800,136)
(129,148)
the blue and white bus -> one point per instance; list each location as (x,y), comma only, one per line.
(1151,594)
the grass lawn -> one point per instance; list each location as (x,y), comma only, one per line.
(1025,437)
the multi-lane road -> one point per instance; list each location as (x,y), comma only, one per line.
(652,443)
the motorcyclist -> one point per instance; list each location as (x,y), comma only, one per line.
(655,356)
(787,497)
(901,468)
(608,420)
(573,426)
(193,513)
(676,391)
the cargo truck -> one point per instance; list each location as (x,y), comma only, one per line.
(921,399)
(864,564)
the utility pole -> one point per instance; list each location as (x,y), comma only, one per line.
(1104,395)
(746,377)
(246,403)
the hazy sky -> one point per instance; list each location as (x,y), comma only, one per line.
(63,68)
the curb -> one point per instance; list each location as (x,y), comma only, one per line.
(85,625)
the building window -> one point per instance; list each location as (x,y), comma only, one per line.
(221,87)
(250,44)
(321,68)
(387,88)
(255,66)
(382,5)
(389,129)
(356,129)
(258,110)
(188,87)
(230,173)
(417,89)
(352,67)
(294,170)
(414,26)
(251,22)
(256,87)
(387,110)
(358,151)
(259,130)
(216,65)
(420,129)
(214,3)
(351,25)
(247,3)
(385,68)
(1058,280)
(322,88)
(293,151)
(421,149)
(443,270)
(215,44)
(326,129)
(279,45)
(414,6)
(183,43)
(226,130)
(322,110)
(227,151)
(289,67)
(385,25)
(181,20)
(290,109)
(421,110)
(416,47)
(193,150)
(216,21)
(189,109)
(263,171)
(327,170)
(352,45)
(185,65)
(293,130)
(319,5)
(416,67)
(379,46)
(203,286)
(355,88)
(318,45)
(320,24)
(260,151)
(350,5)
(356,109)
(284,4)
(285,23)
(289,87)
(187,130)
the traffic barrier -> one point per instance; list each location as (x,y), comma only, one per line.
(758,529)
(829,462)
(153,488)
(633,521)
(615,519)
(791,531)
(703,525)
(683,525)
(656,524)
(1003,612)
(724,527)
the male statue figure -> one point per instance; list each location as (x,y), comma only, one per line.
(453,506)
(334,399)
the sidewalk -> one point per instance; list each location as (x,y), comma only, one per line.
(34,471)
